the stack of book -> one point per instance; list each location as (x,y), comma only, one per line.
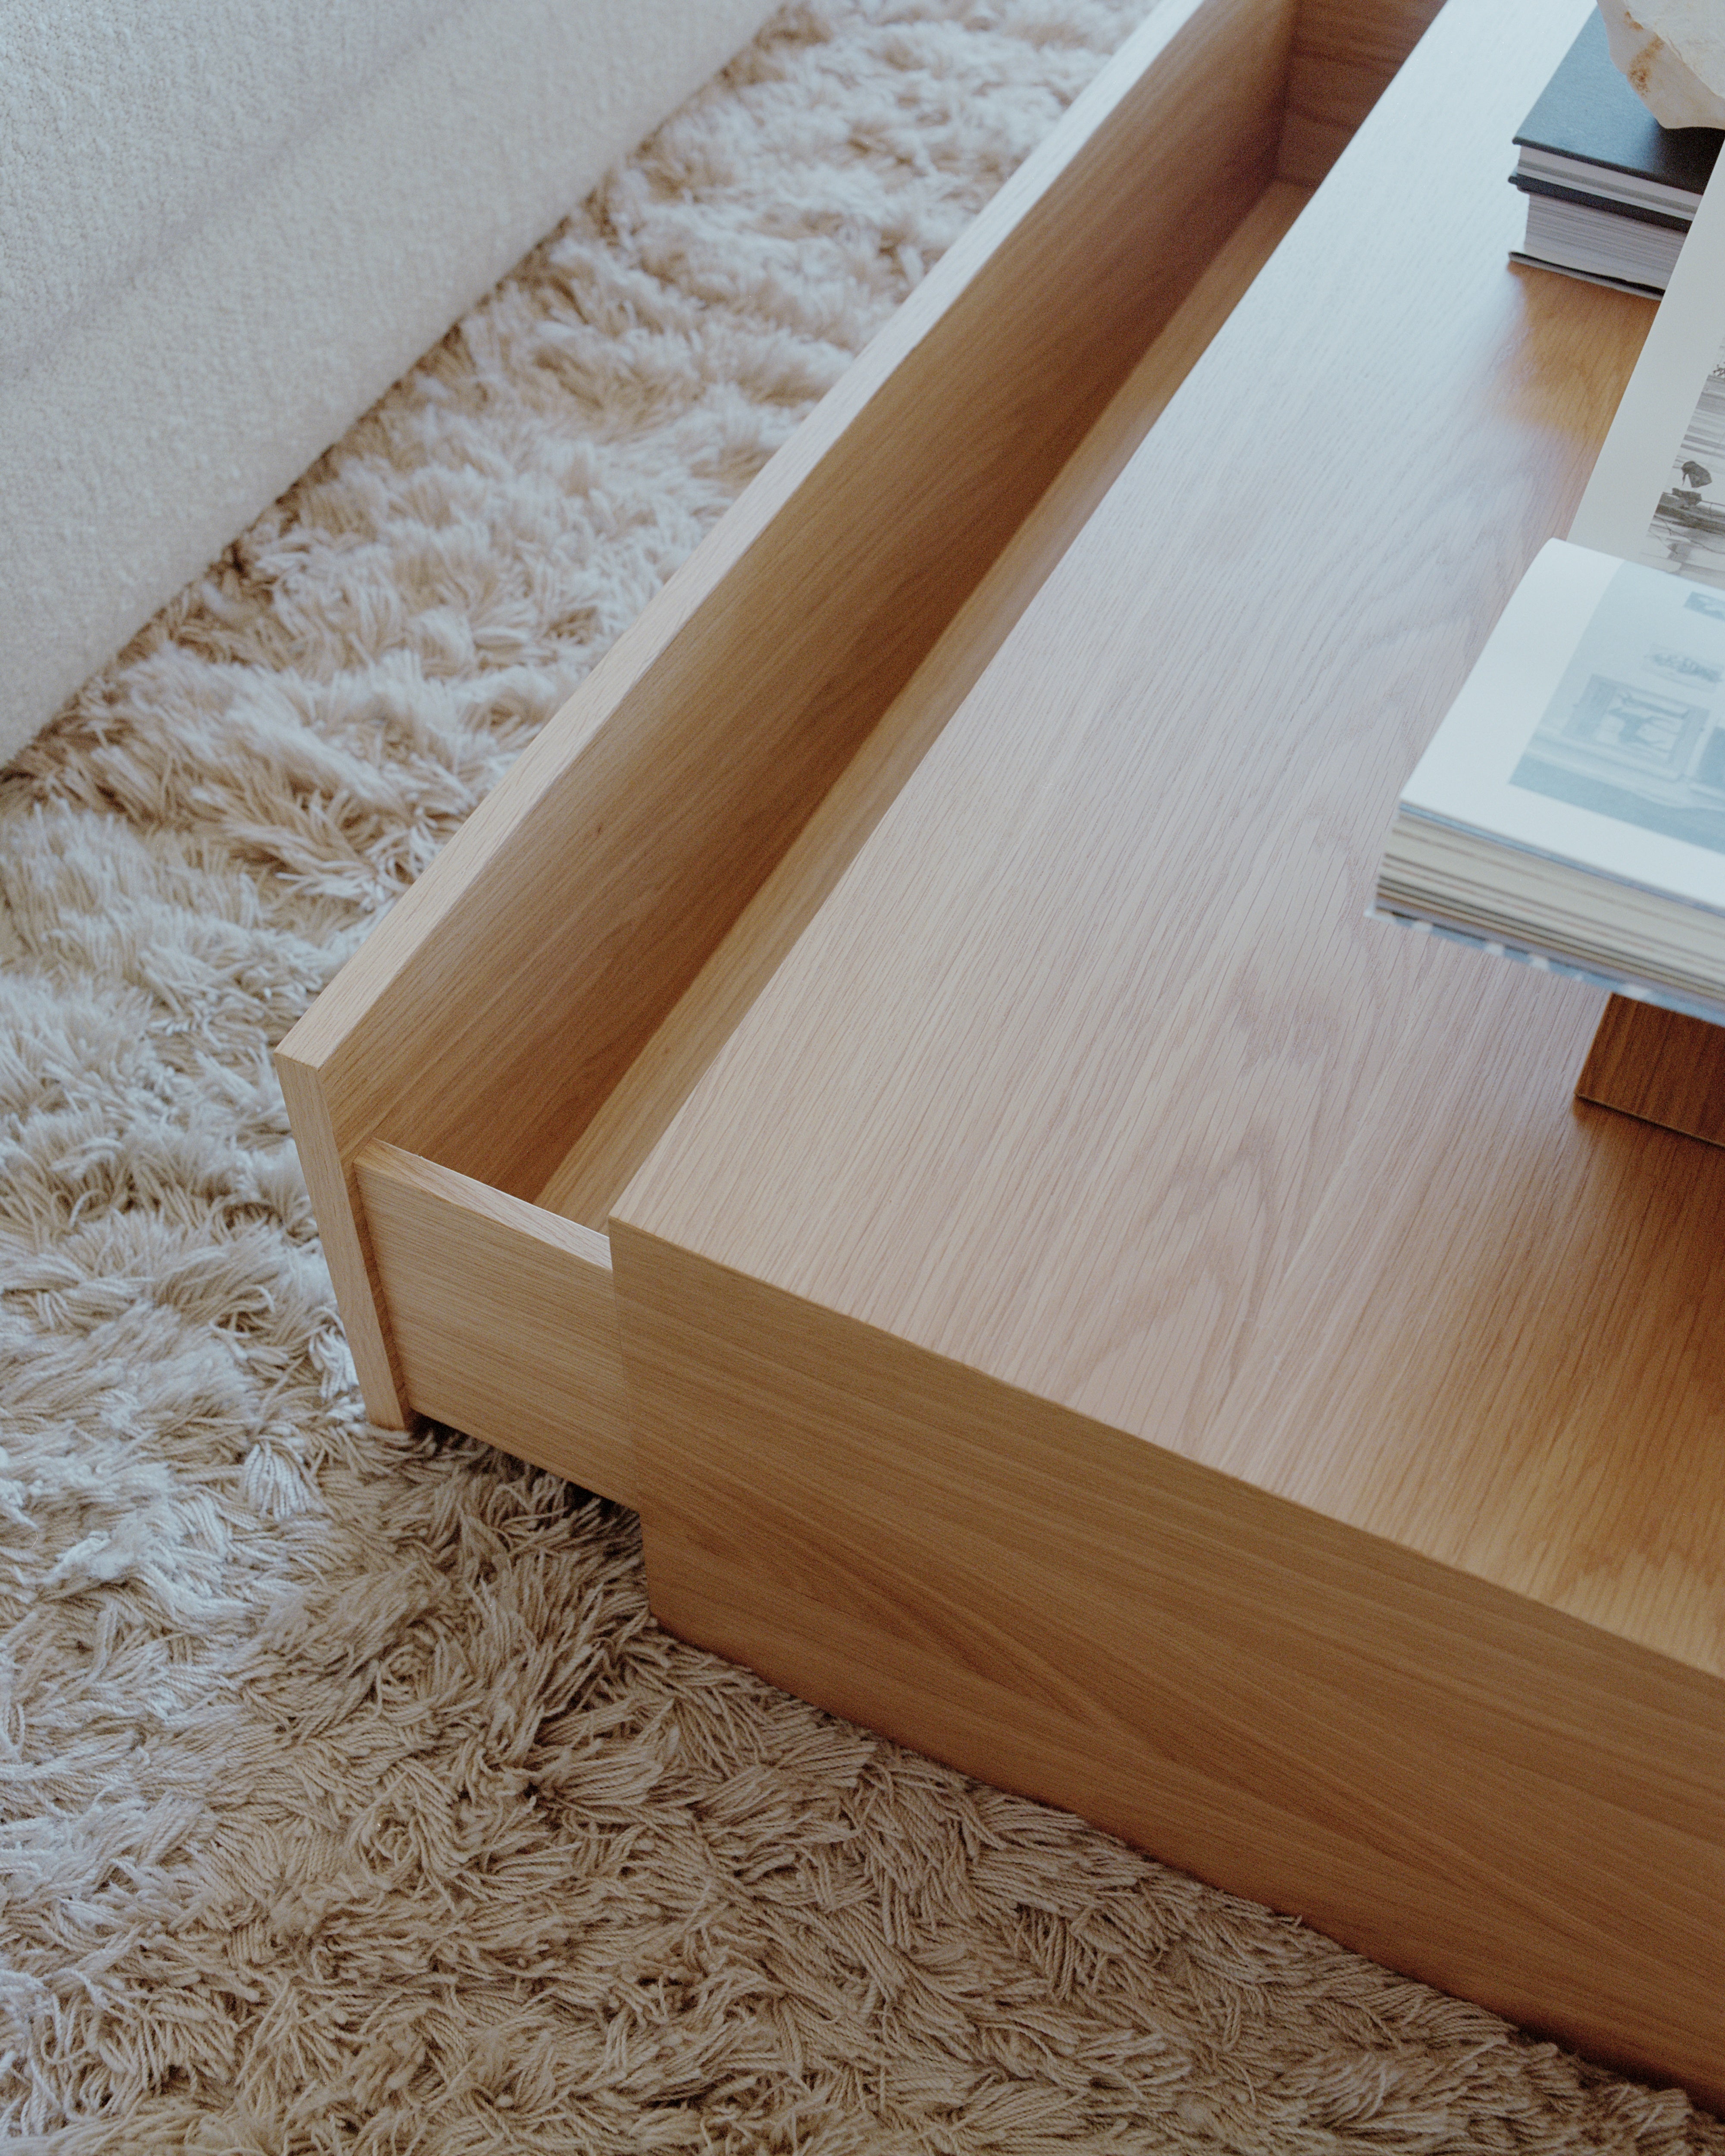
(1610,193)
(1570,811)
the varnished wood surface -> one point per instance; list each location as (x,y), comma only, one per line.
(1468,1786)
(593,1175)
(503,1317)
(1660,1065)
(492,1013)
(1093,1076)
(1115,1317)
(1345,53)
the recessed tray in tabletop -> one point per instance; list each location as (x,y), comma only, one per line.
(482,1079)
(1124,1575)
(1165,1342)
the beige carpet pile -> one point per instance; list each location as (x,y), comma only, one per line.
(349,1798)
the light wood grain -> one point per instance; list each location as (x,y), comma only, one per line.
(503,1317)
(492,1013)
(593,1173)
(1093,1145)
(1660,1065)
(1345,53)
(1092,1072)
(1449,1777)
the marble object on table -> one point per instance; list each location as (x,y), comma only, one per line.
(1673,54)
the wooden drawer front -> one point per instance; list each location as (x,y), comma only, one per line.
(503,1318)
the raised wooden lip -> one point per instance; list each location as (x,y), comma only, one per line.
(500,1311)
(811,604)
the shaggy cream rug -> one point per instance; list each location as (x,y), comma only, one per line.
(351,1799)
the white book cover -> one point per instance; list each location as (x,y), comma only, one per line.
(1592,729)
(1668,438)
(1590,734)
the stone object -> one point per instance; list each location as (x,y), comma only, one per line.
(1673,53)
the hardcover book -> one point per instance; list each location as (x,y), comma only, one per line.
(1570,810)
(1611,191)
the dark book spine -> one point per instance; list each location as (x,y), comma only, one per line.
(1608,203)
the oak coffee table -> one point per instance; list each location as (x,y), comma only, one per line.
(898,1083)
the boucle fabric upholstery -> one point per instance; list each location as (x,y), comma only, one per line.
(126,125)
(226,230)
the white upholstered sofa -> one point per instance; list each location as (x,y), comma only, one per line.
(225,228)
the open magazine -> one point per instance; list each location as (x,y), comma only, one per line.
(1571,808)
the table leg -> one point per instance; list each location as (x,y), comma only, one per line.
(1660,1065)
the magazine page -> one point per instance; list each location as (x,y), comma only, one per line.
(1657,493)
(1592,728)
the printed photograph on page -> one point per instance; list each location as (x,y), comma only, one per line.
(1636,728)
(1688,533)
